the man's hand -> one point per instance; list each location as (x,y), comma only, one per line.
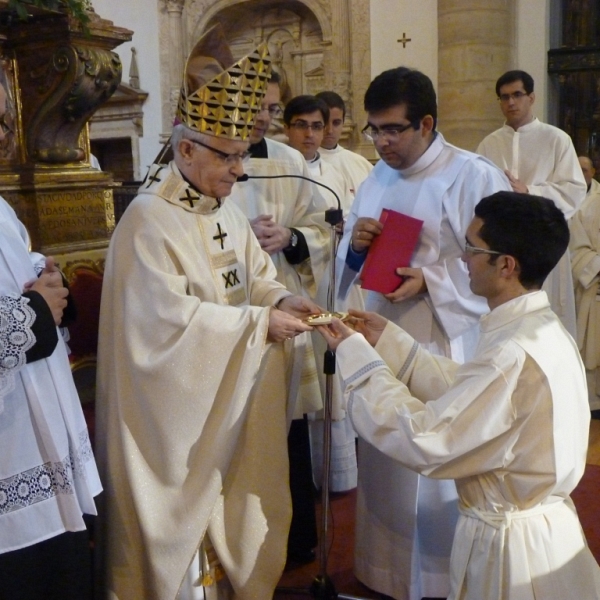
(283,326)
(517,184)
(335,333)
(299,307)
(50,286)
(414,283)
(365,230)
(271,236)
(370,324)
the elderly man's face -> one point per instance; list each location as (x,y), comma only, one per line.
(208,169)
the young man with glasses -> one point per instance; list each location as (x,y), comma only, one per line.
(305,121)
(405,522)
(510,427)
(538,159)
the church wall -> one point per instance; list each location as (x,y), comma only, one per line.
(390,19)
(141,16)
(532,45)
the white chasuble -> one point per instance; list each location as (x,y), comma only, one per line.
(543,157)
(405,522)
(510,427)
(585,262)
(191,396)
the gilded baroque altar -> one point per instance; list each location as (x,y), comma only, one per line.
(56,75)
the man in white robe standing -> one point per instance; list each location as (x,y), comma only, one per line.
(286,215)
(48,476)
(510,426)
(405,521)
(353,167)
(585,262)
(305,119)
(538,159)
(192,379)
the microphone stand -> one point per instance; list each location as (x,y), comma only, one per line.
(322,586)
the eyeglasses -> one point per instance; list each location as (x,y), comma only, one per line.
(469,249)
(6,128)
(514,96)
(230,159)
(274,110)
(301,125)
(388,132)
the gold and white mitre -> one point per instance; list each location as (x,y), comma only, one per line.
(219,96)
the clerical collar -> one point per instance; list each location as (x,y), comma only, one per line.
(433,151)
(259,150)
(200,194)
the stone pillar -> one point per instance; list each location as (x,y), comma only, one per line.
(176,51)
(476,45)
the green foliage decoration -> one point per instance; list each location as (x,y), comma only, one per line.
(76,8)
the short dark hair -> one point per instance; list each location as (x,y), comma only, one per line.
(403,86)
(511,77)
(302,105)
(275,78)
(529,228)
(333,100)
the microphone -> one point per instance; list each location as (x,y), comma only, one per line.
(332,216)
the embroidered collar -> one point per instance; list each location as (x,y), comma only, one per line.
(169,183)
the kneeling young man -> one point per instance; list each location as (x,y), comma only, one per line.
(510,427)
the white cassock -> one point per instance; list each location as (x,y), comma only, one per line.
(353,167)
(405,522)
(543,157)
(48,476)
(191,418)
(292,202)
(585,262)
(510,427)
(343,467)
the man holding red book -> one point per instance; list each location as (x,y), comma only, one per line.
(405,526)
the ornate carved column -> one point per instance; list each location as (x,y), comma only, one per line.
(476,44)
(56,77)
(176,49)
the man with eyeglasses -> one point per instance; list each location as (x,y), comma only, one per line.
(305,121)
(193,380)
(510,426)
(405,522)
(538,159)
(286,215)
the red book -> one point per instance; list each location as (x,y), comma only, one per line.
(391,249)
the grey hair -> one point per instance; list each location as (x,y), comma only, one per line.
(181,132)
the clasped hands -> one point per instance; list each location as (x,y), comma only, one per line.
(50,286)
(271,236)
(365,230)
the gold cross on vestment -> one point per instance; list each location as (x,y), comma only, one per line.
(404,40)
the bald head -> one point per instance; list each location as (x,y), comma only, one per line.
(587,166)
